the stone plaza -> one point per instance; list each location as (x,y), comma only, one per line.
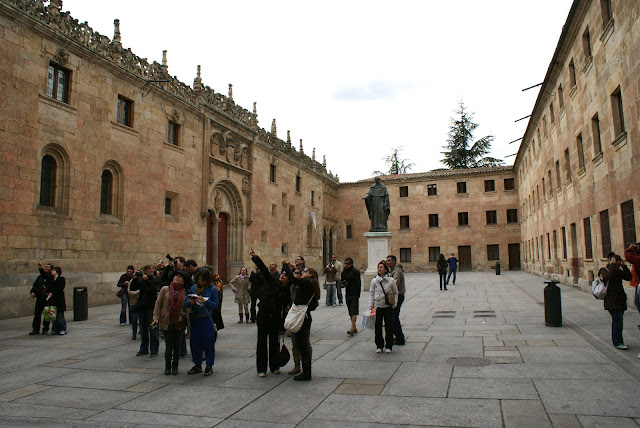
(477,355)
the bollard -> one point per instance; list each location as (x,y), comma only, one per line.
(497,268)
(552,305)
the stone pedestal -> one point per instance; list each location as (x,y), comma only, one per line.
(378,244)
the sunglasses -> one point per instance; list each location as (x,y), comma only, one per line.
(296,272)
(305,270)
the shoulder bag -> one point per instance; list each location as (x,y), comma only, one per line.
(295,318)
(389,298)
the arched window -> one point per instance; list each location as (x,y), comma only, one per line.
(54,179)
(106,193)
(48,181)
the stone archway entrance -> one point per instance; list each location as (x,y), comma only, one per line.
(225,229)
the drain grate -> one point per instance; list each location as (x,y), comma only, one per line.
(444,314)
(484,314)
(469,361)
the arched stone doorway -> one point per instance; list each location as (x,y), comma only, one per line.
(225,229)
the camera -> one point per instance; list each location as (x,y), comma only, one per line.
(171,259)
(138,274)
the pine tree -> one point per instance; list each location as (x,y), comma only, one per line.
(459,154)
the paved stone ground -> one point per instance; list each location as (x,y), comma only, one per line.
(538,376)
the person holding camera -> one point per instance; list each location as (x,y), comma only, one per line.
(123,293)
(380,286)
(169,313)
(330,272)
(203,300)
(616,299)
(147,285)
(39,292)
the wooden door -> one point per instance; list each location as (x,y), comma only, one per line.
(514,257)
(209,239)
(464,257)
(222,247)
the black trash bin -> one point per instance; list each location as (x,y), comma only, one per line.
(80,304)
(497,268)
(552,305)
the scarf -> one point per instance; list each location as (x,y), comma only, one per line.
(176,303)
(199,289)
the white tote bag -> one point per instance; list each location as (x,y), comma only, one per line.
(295,318)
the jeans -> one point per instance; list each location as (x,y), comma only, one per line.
(301,342)
(616,327)
(124,299)
(59,325)
(443,280)
(339,290)
(133,319)
(254,300)
(636,299)
(451,271)
(331,294)
(150,342)
(37,316)
(397,327)
(386,315)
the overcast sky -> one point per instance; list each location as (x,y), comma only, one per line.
(352,78)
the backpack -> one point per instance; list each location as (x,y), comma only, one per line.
(599,288)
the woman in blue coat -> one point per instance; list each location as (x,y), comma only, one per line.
(203,299)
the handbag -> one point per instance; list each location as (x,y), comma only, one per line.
(283,355)
(295,318)
(389,298)
(50,313)
(120,292)
(599,288)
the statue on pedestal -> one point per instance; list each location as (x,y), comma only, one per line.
(378,207)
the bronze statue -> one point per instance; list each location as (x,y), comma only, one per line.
(377,202)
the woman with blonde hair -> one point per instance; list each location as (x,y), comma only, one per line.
(240,286)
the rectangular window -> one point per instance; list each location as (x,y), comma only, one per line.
(463,219)
(560,97)
(628,223)
(434,254)
(548,247)
(167,206)
(509,184)
(489,186)
(298,182)
(404,222)
(588,248)
(492,217)
(124,113)
(617,112)
(544,190)
(555,243)
(404,191)
(462,187)
(172,133)
(273,210)
(607,14)
(544,126)
(512,215)
(550,183)
(284,199)
(292,212)
(405,255)
(552,114)
(567,164)
(572,73)
(586,43)
(493,252)
(564,242)
(595,130)
(558,178)
(433,220)
(58,83)
(284,248)
(580,147)
(605,233)
(313,198)
(349,232)
(432,190)
(171,207)
(272,173)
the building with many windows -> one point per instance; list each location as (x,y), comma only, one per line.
(577,167)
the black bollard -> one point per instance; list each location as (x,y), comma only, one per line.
(552,305)
(497,268)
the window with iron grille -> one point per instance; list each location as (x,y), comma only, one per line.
(512,215)
(106,192)
(433,220)
(492,217)
(489,185)
(595,131)
(463,219)
(509,184)
(628,223)
(349,232)
(404,191)
(434,254)
(124,112)
(617,112)
(405,255)
(493,252)
(272,173)
(172,133)
(48,181)
(462,187)
(588,248)
(432,189)
(605,233)
(404,222)
(564,242)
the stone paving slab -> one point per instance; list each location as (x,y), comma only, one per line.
(538,375)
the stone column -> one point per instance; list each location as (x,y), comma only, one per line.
(378,244)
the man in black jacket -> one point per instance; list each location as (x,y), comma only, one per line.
(148,285)
(39,292)
(352,285)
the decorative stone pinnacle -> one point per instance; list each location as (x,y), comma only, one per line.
(324,160)
(313,154)
(197,82)
(255,108)
(301,149)
(164,58)
(116,31)
(274,129)
(288,137)
(230,91)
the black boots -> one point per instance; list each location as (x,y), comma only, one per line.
(306,368)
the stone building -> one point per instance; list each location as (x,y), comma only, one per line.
(107,161)
(577,166)
(472,213)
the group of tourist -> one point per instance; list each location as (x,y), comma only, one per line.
(48,292)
